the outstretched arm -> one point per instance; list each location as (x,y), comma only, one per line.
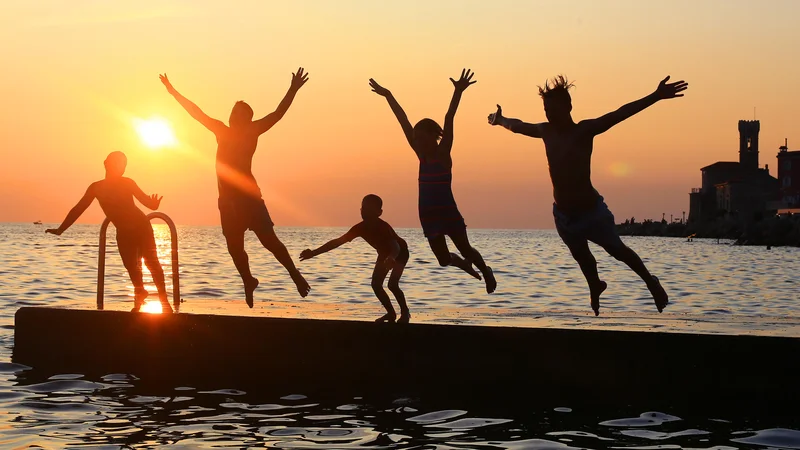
(75,212)
(663,91)
(212,124)
(462,84)
(408,130)
(330,245)
(515,125)
(149,201)
(299,78)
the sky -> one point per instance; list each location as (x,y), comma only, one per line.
(78,75)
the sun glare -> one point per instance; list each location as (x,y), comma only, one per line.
(151,307)
(155,133)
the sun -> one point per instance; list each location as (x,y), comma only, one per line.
(151,307)
(155,133)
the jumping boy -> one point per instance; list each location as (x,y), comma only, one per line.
(241,207)
(392,255)
(135,239)
(580,213)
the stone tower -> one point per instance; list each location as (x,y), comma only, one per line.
(748,144)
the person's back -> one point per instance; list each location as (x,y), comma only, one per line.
(236,146)
(115,196)
(380,235)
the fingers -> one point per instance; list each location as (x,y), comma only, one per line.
(664,81)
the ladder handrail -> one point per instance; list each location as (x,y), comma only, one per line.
(101,259)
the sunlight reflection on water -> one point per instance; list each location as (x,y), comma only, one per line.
(534,270)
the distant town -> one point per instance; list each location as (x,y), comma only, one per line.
(739,200)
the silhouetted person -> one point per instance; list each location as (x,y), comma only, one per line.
(438,213)
(392,255)
(135,239)
(241,207)
(580,213)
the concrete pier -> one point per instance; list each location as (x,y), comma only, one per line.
(507,366)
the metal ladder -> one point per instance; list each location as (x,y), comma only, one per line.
(101,260)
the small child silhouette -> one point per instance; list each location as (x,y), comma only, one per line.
(392,255)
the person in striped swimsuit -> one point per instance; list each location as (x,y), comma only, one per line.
(438,212)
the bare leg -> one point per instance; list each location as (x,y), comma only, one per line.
(131,258)
(394,286)
(471,255)
(580,251)
(628,256)
(235,243)
(150,254)
(439,246)
(378,275)
(271,242)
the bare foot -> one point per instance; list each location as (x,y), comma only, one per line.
(491,282)
(471,270)
(249,288)
(405,317)
(166,308)
(464,265)
(595,292)
(139,295)
(302,285)
(388,318)
(659,294)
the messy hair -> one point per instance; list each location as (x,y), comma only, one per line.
(556,87)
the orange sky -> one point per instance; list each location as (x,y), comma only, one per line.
(77,74)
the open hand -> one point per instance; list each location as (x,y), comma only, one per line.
(378,89)
(306,254)
(299,78)
(465,81)
(166,82)
(495,117)
(156,200)
(670,90)
(55,231)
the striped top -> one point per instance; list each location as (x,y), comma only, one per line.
(438,212)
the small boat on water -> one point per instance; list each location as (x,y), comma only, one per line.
(38,222)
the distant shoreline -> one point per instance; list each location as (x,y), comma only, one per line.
(774,231)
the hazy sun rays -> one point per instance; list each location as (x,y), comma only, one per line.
(158,131)
(155,133)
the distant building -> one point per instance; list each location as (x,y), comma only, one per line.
(789,177)
(740,189)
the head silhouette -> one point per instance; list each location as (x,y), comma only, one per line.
(426,135)
(556,98)
(371,207)
(241,114)
(115,164)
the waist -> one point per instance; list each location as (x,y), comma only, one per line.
(581,209)
(577,202)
